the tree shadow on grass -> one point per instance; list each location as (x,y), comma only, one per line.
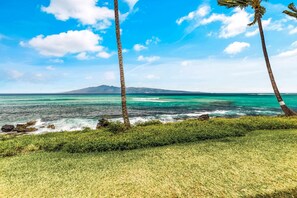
(291,193)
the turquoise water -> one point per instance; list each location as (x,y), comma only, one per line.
(73,112)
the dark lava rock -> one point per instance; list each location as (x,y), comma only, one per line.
(31,123)
(7,128)
(204,117)
(51,126)
(23,128)
(31,129)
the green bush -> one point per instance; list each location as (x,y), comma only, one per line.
(149,123)
(116,127)
(114,137)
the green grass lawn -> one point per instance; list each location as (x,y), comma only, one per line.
(259,164)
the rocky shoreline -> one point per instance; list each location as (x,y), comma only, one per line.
(28,127)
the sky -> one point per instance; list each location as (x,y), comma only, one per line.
(50,46)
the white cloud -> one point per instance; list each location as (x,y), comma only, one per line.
(50,68)
(294,44)
(22,44)
(201,11)
(148,59)
(131,3)
(83,56)
(289,53)
(267,25)
(71,42)
(231,25)
(236,47)
(104,55)
(139,47)
(293,30)
(153,40)
(85,11)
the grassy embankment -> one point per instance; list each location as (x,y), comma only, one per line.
(257,164)
(140,136)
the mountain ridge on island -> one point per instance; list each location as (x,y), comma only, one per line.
(106,89)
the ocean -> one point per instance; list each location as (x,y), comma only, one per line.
(74,112)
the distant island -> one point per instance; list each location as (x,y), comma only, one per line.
(105,89)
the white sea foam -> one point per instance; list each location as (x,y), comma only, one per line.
(148,100)
(77,124)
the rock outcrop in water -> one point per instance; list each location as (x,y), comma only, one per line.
(7,128)
(204,117)
(24,128)
(51,126)
(20,128)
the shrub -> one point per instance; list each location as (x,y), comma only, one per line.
(116,127)
(149,123)
(112,138)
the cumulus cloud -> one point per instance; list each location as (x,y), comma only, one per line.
(85,11)
(148,59)
(233,25)
(292,29)
(71,42)
(268,25)
(104,55)
(201,11)
(139,47)
(154,40)
(289,53)
(82,56)
(236,47)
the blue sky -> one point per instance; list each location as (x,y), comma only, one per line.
(59,45)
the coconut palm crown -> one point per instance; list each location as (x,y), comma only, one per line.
(292,11)
(255,4)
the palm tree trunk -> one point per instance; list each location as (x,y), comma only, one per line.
(120,56)
(286,110)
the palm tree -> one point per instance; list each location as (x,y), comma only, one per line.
(259,11)
(292,11)
(120,56)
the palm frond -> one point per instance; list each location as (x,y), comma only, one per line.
(234,3)
(259,13)
(255,4)
(292,10)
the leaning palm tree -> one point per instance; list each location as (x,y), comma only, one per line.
(120,56)
(259,11)
(292,11)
